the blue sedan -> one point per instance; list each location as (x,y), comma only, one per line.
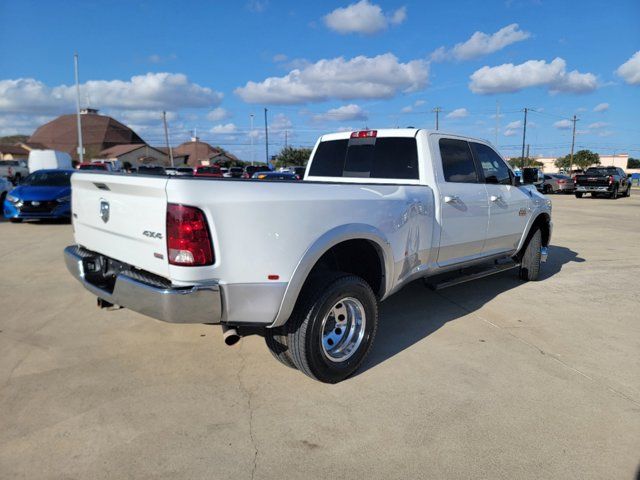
(43,194)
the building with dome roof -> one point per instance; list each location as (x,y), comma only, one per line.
(99,133)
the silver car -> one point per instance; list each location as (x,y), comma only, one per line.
(558,183)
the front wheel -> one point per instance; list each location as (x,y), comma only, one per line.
(579,195)
(530,261)
(15,220)
(333,326)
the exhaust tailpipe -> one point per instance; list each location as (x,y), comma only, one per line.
(230,335)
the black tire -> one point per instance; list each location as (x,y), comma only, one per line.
(276,340)
(548,189)
(320,296)
(614,193)
(579,195)
(15,220)
(530,261)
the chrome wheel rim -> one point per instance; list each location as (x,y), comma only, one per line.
(343,329)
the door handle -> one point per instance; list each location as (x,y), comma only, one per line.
(495,198)
(451,199)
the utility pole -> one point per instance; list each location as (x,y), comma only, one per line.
(266,136)
(524,135)
(528,145)
(251,135)
(437,111)
(80,146)
(573,142)
(166,137)
(497,121)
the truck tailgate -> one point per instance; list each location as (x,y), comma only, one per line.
(122,217)
(592,180)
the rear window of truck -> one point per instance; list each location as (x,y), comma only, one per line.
(385,157)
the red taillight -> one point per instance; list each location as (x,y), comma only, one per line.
(364,134)
(188,239)
(561,182)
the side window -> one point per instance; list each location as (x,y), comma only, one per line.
(457,161)
(494,169)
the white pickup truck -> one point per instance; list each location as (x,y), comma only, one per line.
(306,263)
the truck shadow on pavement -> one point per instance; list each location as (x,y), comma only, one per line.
(416,311)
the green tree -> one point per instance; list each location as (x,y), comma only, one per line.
(581,159)
(528,162)
(633,163)
(291,156)
(12,139)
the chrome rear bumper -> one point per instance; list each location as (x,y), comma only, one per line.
(194,304)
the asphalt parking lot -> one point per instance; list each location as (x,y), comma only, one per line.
(491,379)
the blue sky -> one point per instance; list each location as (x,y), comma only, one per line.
(325,66)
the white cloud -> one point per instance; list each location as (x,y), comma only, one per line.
(458,113)
(363,17)
(280,123)
(218,114)
(410,108)
(224,129)
(601,107)
(509,78)
(343,114)
(597,125)
(382,76)
(481,43)
(513,128)
(144,117)
(153,91)
(257,6)
(563,124)
(630,70)
(157,58)
(280,57)
(25,124)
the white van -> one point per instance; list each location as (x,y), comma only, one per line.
(48,159)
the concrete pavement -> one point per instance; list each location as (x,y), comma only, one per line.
(490,379)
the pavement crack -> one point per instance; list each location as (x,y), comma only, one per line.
(249,397)
(542,352)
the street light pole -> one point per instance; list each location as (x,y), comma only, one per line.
(251,136)
(80,146)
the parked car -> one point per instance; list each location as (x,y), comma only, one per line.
(43,194)
(150,170)
(379,210)
(558,183)
(14,170)
(610,181)
(249,170)
(234,172)
(179,171)
(93,166)
(208,171)
(5,187)
(275,176)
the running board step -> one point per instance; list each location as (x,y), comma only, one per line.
(473,276)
